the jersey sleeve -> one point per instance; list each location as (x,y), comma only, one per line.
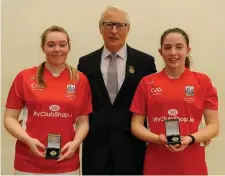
(139,102)
(211,97)
(86,106)
(15,99)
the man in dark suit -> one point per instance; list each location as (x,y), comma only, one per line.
(114,72)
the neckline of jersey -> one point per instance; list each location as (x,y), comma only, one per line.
(50,74)
(186,70)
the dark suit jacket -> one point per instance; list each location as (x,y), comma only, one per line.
(110,125)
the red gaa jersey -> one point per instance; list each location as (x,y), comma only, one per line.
(52,110)
(160,98)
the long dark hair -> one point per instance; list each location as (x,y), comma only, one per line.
(184,34)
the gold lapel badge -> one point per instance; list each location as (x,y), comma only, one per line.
(131,69)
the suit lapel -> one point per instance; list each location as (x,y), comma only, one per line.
(99,77)
(128,73)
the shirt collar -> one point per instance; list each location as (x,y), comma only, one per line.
(121,53)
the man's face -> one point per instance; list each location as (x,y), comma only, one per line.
(114,29)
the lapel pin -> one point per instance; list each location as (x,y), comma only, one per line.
(131,69)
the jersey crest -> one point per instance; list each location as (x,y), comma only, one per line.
(190,91)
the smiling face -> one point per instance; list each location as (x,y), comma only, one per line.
(115,38)
(56,48)
(174,50)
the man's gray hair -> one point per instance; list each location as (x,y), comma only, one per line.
(113,7)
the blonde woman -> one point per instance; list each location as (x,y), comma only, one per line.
(54,96)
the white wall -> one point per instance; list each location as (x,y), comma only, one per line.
(23,21)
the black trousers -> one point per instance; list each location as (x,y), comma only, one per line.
(109,169)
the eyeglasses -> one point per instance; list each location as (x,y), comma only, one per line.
(109,26)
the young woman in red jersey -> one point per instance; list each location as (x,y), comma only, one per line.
(175,93)
(54,96)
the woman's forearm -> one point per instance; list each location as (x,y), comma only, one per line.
(82,128)
(206,133)
(211,129)
(141,132)
(15,129)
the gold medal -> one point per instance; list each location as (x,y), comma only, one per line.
(175,139)
(53,153)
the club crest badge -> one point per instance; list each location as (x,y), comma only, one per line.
(189,91)
(71,88)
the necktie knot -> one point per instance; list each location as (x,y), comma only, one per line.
(113,56)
